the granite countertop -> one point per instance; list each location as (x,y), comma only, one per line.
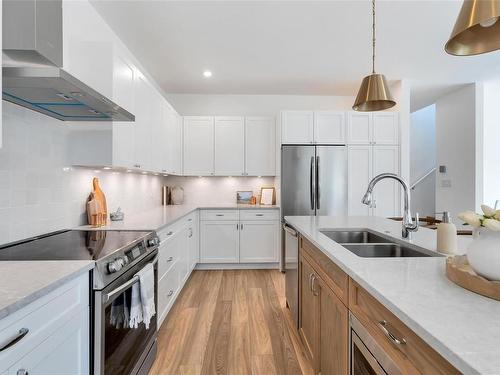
(462,326)
(22,282)
(162,216)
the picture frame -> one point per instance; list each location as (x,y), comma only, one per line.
(244,197)
(267,196)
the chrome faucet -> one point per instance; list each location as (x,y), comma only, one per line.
(408,224)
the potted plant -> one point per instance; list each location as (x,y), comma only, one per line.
(483,253)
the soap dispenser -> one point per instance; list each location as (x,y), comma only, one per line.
(446,235)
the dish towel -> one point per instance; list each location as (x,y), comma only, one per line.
(143,297)
(135,307)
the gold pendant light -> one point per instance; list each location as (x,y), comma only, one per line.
(477,29)
(374,93)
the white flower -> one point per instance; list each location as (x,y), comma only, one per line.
(492,224)
(488,211)
(497,214)
(471,218)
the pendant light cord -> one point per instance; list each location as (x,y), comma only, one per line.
(373,36)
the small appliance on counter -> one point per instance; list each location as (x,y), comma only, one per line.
(118,215)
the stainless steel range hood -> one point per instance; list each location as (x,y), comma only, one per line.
(32,59)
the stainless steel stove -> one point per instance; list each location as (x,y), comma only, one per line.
(119,255)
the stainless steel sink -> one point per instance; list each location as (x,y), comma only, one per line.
(368,244)
(389,250)
(358,236)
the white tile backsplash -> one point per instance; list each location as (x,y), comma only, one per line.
(40,192)
(217,190)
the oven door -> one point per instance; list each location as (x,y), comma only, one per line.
(119,349)
(368,357)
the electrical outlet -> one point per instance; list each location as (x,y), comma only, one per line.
(446,183)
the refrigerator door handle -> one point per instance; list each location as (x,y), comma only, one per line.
(318,196)
(311,183)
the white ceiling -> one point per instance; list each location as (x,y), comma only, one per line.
(294,47)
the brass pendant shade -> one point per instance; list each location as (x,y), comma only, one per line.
(374,93)
(477,29)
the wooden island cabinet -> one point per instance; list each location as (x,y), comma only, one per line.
(326,298)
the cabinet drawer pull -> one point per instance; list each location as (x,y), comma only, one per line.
(170,292)
(259,214)
(170,233)
(310,281)
(313,282)
(170,259)
(219,214)
(137,165)
(21,371)
(22,332)
(383,326)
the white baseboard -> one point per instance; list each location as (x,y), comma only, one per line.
(237,266)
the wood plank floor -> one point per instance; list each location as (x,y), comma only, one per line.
(231,322)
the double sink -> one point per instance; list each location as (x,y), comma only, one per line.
(367,244)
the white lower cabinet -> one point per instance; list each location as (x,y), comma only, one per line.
(258,241)
(247,236)
(57,339)
(177,256)
(219,241)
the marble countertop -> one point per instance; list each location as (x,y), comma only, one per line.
(22,282)
(162,216)
(462,326)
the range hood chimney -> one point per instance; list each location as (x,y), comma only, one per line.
(32,54)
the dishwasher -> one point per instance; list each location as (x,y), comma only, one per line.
(291,265)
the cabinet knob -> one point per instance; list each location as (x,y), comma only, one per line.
(170,259)
(137,165)
(170,292)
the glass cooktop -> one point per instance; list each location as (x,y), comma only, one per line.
(70,245)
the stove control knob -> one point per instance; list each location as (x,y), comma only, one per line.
(116,265)
(153,242)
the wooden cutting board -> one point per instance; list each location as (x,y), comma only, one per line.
(100,198)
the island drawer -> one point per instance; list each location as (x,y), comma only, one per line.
(332,274)
(409,351)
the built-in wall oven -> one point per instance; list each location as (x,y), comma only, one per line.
(367,356)
(118,348)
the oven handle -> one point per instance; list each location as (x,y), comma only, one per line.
(125,286)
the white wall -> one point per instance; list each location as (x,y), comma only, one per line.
(456,136)
(491,145)
(423,159)
(217,190)
(40,193)
(254,105)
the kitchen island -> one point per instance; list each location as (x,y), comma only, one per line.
(463,327)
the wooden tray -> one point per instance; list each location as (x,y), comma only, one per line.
(460,272)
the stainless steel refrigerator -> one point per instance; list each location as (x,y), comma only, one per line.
(313,182)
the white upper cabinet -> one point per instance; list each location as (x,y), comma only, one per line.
(174,142)
(123,82)
(380,128)
(359,128)
(329,127)
(198,146)
(297,127)
(260,146)
(386,128)
(158,134)
(143,123)
(386,193)
(360,168)
(229,146)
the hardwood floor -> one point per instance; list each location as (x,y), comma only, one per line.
(231,322)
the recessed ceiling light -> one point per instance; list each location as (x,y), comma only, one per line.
(207,74)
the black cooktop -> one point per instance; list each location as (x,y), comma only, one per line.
(70,245)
